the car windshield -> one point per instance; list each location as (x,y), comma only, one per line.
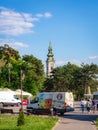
(95,97)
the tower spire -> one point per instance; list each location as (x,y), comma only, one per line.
(50,54)
(50,60)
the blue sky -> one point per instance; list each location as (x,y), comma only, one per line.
(71,25)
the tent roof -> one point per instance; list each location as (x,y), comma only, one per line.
(18,92)
(6,90)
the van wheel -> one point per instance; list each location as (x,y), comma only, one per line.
(32,111)
(54,112)
(62,113)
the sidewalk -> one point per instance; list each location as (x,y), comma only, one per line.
(70,124)
(76,121)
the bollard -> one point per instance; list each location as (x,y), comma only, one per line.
(51,111)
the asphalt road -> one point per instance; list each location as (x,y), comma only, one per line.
(15,109)
(77,120)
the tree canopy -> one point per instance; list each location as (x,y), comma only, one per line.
(11,65)
(73,78)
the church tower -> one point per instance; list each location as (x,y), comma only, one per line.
(50,63)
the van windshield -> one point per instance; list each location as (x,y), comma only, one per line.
(15,96)
(35,100)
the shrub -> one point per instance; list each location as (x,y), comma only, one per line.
(20,120)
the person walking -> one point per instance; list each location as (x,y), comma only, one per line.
(83,105)
(88,105)
(93,105)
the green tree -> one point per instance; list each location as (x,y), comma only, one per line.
(34,74)
(6,53)
(62,79)
(89,76)
(10,76)
(73,78)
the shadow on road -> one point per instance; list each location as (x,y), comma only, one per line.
(77,115)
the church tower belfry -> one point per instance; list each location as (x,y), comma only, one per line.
(50,63)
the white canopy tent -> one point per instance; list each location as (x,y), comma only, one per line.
(6,90)
(18,92)
(24,93)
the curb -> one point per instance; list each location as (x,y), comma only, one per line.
(56,124)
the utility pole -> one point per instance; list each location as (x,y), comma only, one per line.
(21,74)
(9,72)
(7,52)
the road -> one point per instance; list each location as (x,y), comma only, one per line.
(15,109)
(76,120)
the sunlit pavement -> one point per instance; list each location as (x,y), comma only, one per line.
(77,120)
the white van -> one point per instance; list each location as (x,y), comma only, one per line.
(41,103)
(63,102)
(58,102)
(9,98)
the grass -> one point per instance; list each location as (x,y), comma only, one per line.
(9,122)
(96,122)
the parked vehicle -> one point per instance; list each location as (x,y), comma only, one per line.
(95,96)
(9,98)
(56,102)
(63,102)
(41,103)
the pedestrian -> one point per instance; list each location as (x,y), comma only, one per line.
(88,105)
(82,105)
(93,105)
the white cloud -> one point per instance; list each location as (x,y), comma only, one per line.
(93,57)
(20,44)
(13,43)
(89,60)
(60,63)
(39,15)
(15,23)
(72,61)
(45,15)
(29,17)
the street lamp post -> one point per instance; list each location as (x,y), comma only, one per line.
(21,88)
(9,72)
(21,78)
